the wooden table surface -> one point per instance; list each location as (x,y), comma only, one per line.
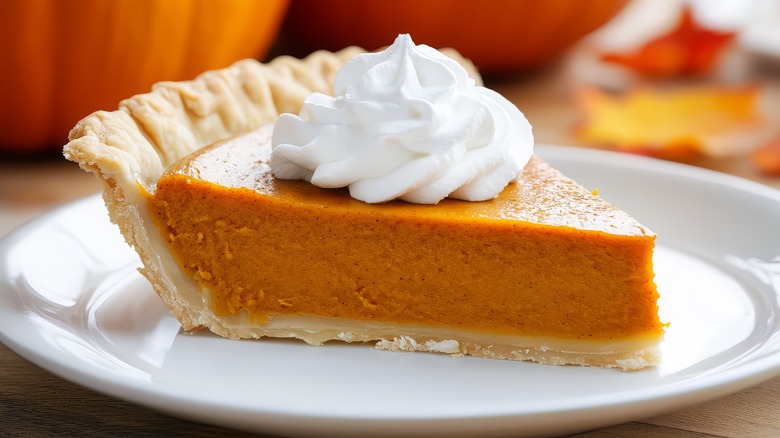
(34,402)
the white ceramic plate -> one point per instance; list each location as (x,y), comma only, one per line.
(72,302)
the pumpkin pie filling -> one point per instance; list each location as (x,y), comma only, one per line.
(546,261)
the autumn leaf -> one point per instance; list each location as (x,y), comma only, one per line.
(688,50)
(766,157)
(673,125)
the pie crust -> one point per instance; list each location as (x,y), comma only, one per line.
(130,148)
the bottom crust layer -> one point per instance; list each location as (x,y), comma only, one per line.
(628,354)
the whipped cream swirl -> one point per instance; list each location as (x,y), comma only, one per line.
(405,123)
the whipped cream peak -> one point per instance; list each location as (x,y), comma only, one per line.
(406,123)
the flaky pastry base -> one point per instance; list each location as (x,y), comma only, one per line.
(128,149)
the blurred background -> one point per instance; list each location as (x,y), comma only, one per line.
(696,81)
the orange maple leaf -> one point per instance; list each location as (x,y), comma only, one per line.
(673,125)
(766,157)
(688,50)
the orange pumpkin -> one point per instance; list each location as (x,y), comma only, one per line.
(65,59)
(500,36)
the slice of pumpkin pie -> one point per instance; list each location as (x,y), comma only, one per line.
(402,205)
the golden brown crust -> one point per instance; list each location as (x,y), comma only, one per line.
(628,355)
